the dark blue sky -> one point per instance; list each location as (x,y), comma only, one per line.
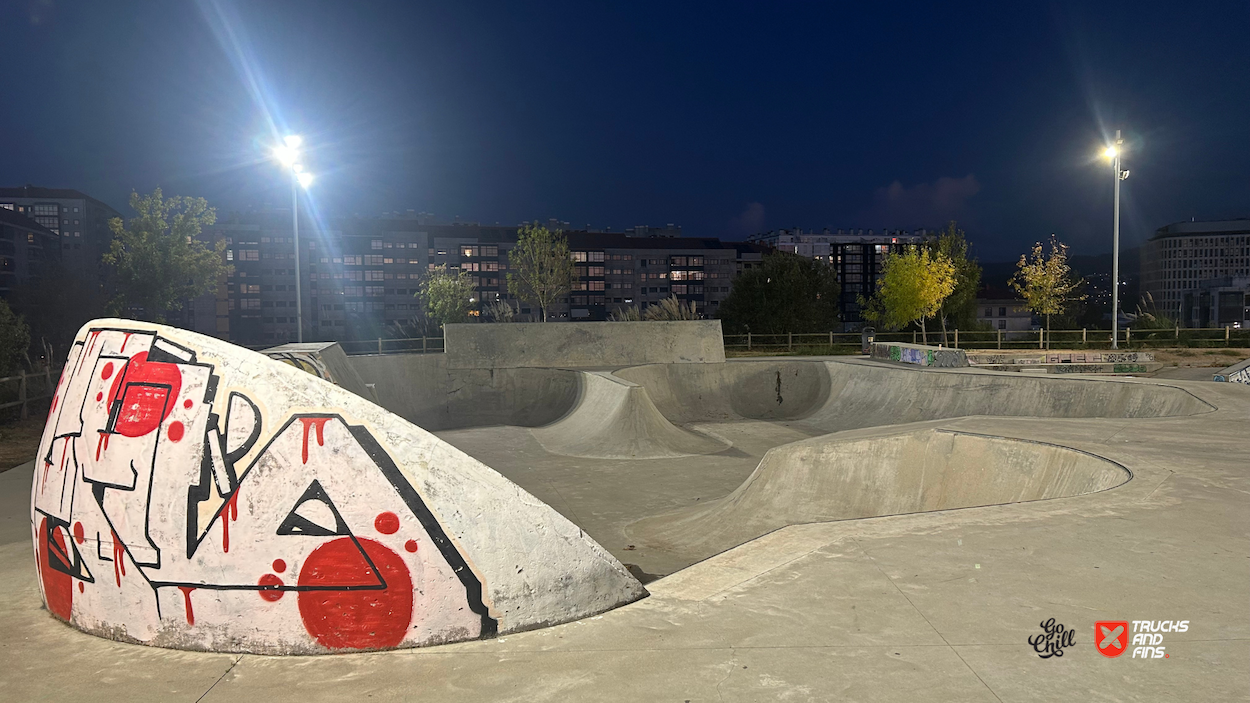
(723,118)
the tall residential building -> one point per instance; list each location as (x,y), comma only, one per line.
(857,257)
(25,246)
(359,276)
(1195,270)
(79,221)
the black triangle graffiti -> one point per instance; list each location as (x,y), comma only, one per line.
(295,524)
(66,561)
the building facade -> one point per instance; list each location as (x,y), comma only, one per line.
(26,247)
(359,277)
(1002,310)
(1195,270)
(856,255)
(79,222)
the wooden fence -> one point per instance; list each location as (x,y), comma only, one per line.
(999,339)
(25,389)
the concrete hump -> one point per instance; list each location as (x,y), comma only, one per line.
(882,473)
(615,419)
(192,494)
(584,344)
(1237,373)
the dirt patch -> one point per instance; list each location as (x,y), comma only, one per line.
(1200,358)
(19,441)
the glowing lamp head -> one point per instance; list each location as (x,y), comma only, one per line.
(293,141)
(305,178)
(285,155)
(1110,152)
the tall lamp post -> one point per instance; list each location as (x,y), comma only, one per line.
(1114,152)
(288,156)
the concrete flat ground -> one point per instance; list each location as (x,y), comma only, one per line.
(927,606)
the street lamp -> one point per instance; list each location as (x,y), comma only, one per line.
(1113,153)
(287,154)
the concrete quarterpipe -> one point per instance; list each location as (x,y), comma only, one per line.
(195,495)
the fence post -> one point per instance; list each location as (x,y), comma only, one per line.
(789,341)
(1226,328)
(748,341)
(1083,335)
(913,336)
(956,337)
(1178,330)
(1041,338)
(1128,335)
(379,345)
(831,338)
(1000,338)
(422,344)
(21,394)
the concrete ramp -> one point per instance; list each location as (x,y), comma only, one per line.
(325,360)
(192,494)
(830,478)
(615,419)
(1237,373)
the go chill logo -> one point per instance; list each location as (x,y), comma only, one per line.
(1111,637)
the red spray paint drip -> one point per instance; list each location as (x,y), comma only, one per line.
(229,512)
(119,566)
(126,339)
(101,442)
(319,423)
(186,599)
(94,335)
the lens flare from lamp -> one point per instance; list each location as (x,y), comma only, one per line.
(285,155)
(293,141)
(305,178)
(1110,152)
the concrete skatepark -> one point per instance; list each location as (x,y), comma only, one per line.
(814,529)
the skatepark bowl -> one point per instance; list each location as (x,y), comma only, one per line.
(407,500)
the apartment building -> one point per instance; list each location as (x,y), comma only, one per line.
(79,222)
(359,276)
(1193,268)
(25,247)
(856,255)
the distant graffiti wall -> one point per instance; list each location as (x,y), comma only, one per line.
(937,357)
(1237,373)
(170,507)
(980,358)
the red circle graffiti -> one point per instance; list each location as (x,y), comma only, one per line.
(58,586)
(387,523)
(175,431)
(147,391)
(99,396)
(187,404)
(411,545)
(107,371)
(357,619)
(80,535)
(272,584)
(279,565)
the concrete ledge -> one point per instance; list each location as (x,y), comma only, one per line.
(999,357)
(920,355)
(1125,368)
(565,344)
(1237,373)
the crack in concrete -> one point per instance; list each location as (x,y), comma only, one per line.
(224,674)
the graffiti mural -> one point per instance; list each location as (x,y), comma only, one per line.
(168,509)
(937,357)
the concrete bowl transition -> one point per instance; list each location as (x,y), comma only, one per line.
(191,494)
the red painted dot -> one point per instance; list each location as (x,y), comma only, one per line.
(80,587)
(79,534)
(187,404)
(356,619)
(279,565)
(175,431)
(387,523)
(411,545)
(99,396)
(107,371)
(271,584)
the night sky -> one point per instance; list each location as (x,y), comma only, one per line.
(726,119)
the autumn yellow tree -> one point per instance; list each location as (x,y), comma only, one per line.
(1046,282)
(913,285)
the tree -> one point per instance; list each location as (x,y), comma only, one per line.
(498,311)
(960,307)
(1046,282)
(786,293)
(542,268)
(57,303)
(157,262)
(448,296)
(14,340)
(913,285)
